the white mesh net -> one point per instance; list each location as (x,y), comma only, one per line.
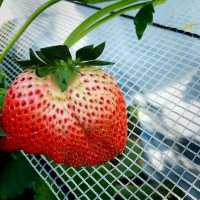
(160,78)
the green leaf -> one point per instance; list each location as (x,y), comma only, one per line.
(43,57)
(25,63)
(143,18)
(1,1)
(42,192)
(34,61)
(44,71)
(90,52)
(96,63)
(2,133)
(3,79)
(35,58)
(59,52)
(63,75)
(15,176)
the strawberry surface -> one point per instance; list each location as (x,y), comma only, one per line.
(84,125)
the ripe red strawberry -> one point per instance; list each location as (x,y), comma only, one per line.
(83,124)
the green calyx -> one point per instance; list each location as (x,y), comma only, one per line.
(58,62)
(143,18)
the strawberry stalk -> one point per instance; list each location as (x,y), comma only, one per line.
(95,17)
(33,16)
(80,33)
(104,15)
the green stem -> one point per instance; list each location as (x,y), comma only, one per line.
(104,20)
(37,12)
(103,15)
(95,17)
